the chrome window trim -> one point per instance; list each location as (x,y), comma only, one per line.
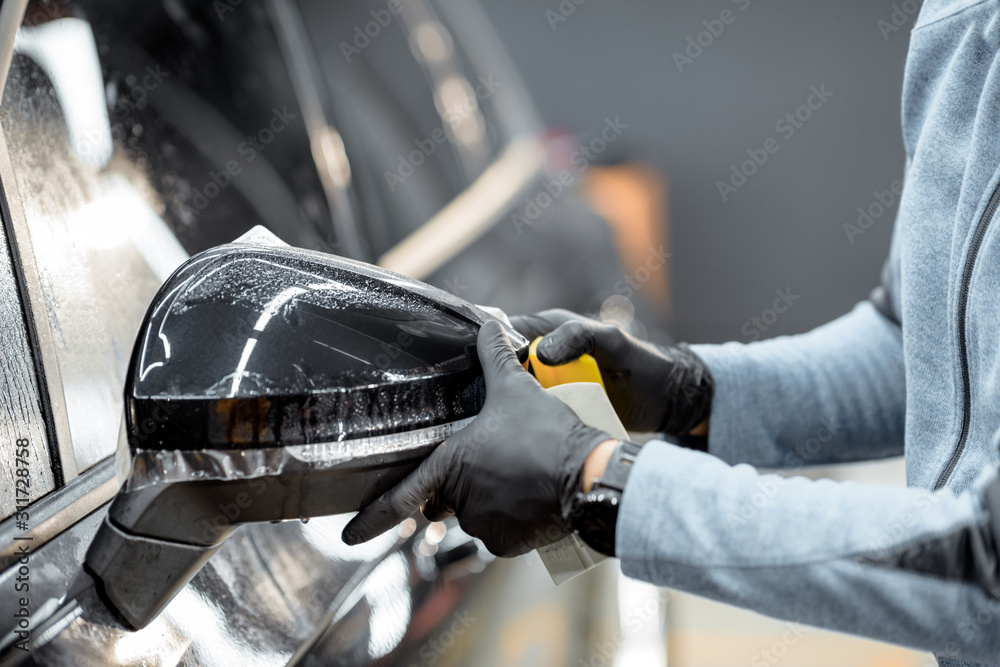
(484,202)
(487,53)
(60,510)
(62,460)
(61,452)
(11,16)
(327,146)
(471,213)
(475,210)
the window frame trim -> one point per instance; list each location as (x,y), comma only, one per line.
(62,457)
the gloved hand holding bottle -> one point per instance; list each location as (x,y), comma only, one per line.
(652,388)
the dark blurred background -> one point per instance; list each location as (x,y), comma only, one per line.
(783,229)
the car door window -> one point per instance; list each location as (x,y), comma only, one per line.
(137,137)
(99,245)
(26,470)
(418,121)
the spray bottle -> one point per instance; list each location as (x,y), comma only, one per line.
(578,384)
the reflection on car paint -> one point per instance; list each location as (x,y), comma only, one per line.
(267,592)
(109,231)
(66,51)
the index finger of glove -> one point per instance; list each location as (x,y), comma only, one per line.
(403,499)
(603,341)
(538,324)
(568,342)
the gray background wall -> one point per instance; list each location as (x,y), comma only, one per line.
(784,228)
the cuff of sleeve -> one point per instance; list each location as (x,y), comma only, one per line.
(732,402)
(653,527)
(633,534)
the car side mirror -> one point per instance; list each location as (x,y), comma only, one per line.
(270,383)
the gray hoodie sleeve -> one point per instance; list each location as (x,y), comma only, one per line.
(832,395)
(906,566)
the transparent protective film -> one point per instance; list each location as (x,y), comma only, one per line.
(147,467)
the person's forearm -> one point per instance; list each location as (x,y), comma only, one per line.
(835,394)
(815,551)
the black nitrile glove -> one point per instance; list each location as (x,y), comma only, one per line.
(652,388)
(510,476)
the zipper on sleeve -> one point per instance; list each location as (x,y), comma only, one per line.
(963,303)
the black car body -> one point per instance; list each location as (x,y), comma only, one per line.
(137,134)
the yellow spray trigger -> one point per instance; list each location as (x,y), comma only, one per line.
(583,369)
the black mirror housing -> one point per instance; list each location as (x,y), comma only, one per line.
(285,382)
